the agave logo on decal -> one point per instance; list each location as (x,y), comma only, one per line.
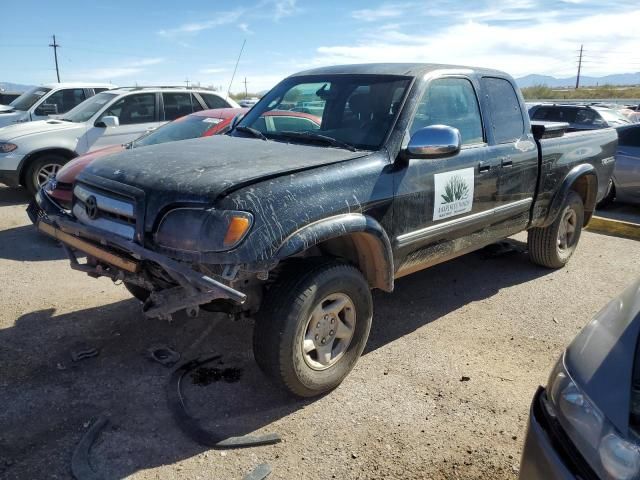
(453,193)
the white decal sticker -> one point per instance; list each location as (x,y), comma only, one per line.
(453,193)
(215,121)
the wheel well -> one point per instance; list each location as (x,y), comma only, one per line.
(364,251)
(587,187)
(68,154)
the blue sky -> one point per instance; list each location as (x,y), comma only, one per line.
(167,42)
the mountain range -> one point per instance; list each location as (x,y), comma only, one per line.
(585,81)
(14,87)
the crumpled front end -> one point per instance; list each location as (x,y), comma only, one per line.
(106,228)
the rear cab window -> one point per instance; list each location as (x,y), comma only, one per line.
(507,120)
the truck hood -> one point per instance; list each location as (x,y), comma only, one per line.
(14,131)
(11,116)
(201,169)
(600,359)
(5,108)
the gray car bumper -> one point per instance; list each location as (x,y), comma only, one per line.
(548,454)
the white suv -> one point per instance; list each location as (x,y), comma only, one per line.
(51,99)
(31,153)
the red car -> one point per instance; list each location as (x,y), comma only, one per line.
(199,124)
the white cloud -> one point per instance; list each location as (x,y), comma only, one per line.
(245,28)
(547,46)
(213,70)
(283,8)
(383,12)
(127,69)
(220,19)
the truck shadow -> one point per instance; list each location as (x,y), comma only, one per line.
(27,244)
(13,196)
(48,399)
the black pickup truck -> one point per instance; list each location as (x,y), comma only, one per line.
(412,165)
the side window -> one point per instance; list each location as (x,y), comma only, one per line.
(66,99)
(629,137)
(541,113)
(178,104)
(585,117)
(506,115)
(452,102)
(214,101)
(136,108)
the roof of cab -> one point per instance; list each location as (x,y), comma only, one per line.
(403,69)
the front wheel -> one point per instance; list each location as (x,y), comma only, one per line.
(41,170)
(313,326)
(553,246)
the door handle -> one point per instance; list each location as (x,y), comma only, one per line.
(506,162)
(483,167)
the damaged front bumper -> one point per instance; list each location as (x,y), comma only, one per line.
(121,259)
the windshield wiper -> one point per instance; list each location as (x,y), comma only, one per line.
(317,136)
(255,132)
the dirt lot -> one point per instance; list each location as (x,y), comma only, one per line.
(403,413)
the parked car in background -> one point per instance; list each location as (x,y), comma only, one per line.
(6,97)
(585,424)
(296,223)
(199,124)
(39,103)
(248,102)
(32,153)
(624,185)
(579,117)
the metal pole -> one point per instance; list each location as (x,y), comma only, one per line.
(236,68)
(579,68)
(55,56)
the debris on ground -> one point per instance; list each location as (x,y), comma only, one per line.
(465,379)
(223,437)
(204,376)
(500,249)
(83,351)
(163,355)
(261,472)
(80,465)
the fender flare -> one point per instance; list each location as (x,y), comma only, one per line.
(589,194)
(370,240)
(28,158)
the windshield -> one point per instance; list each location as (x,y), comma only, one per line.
(335,110)
(190,126)
(28,98)
(89,108)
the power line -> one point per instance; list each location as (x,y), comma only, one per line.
(236,67)
(55,55)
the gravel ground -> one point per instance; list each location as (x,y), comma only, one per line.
(403,413)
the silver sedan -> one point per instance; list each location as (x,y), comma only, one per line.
(625,183)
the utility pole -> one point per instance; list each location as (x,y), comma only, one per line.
(55,55)
(187,82)
(579,68)
(246,91)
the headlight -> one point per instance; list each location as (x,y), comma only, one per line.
(7,147)
(610,455)
(199,230)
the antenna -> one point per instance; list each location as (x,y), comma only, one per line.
(246,92)
(236,67)
(579,68)
(55,55)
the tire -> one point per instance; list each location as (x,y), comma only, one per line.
(609,197)
(137,291)
(48,164)
(288,324)
(553,246)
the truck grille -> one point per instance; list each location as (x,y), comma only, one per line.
(104,210)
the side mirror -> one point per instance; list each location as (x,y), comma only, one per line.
(236,120)
(108,121)
(435,141)
(46,109)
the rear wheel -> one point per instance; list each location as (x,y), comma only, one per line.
(313,327)
(553,246)
(609,196)
(41,170)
